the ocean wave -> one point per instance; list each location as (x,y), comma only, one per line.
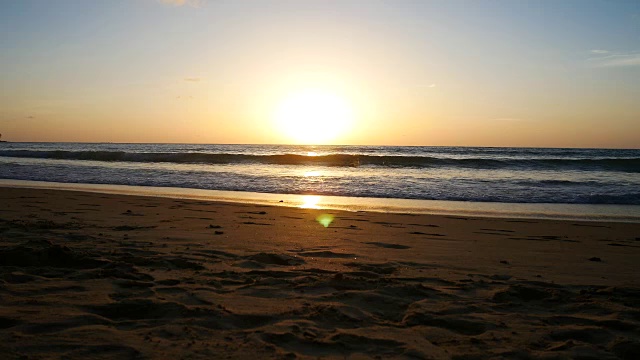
(340,160)
(552,182)
(625,199)
(376,184)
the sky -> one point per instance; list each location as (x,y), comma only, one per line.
(451,73)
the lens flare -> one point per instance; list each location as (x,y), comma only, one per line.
(325,219)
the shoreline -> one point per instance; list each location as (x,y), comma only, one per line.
(575,212)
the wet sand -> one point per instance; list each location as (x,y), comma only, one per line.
(86,275)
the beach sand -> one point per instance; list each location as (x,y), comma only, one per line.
(87,275)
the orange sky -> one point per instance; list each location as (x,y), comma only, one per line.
(396,73)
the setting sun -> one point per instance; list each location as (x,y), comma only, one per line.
(313,116)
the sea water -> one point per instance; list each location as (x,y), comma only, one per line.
(476,176)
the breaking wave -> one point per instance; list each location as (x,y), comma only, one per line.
(341,160)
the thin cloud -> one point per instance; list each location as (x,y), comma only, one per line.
(194,3)
(192,79)
(599,52)
(616,60)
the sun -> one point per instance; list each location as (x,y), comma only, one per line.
(313,116)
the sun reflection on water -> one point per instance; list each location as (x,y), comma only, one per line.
(312,173)
(310,202)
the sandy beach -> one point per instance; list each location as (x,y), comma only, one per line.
(88,275)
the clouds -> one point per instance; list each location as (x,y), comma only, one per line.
(609,59)
(194,3)
(192,79)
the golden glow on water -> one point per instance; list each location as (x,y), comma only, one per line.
(310,202)
(312,173)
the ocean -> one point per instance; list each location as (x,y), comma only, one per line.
(459,174)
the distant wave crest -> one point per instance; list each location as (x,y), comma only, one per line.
(608,164)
